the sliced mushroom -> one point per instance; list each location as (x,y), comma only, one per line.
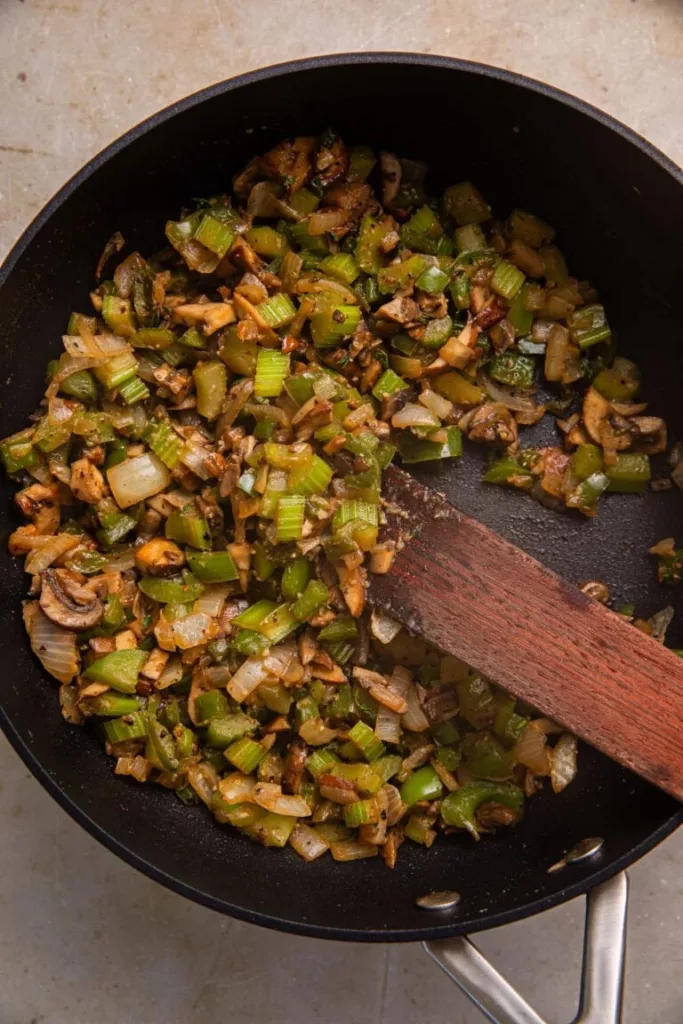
(391,178)
(652,436)
(40,504)
(67,603)
(605,426)
(87,483)
(159,557)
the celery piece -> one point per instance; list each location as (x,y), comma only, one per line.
(209,705)
(529,229)
(331,325)
(366,741)
(249,642)
(295,577)
(469,238)
(164,442)
(211,385)
(311,601)
(370,235)
(432,280)
(212,566)
(80,385)
(157,338)
(224,730)
(273,829)
(361,162)
(215,235)
(271,369)
(519,316)
(361,812)
(277,311)
(120,669)
(304,202)
(586,460)
(320,761)
(342,267)
(399,275)
(388,383)
(239,356)
(437,332)
(460,291)
(290,517)
(174,354)
(312,477)
(341,628)
(112,705)
(133,390)
(422,231)
(350,510)
(278,624)
(48,437)
(17,451)
(193,338)
(465,204)
(507,280)
(588,326)
(245,754)
(266,241)
(118,316)
(113,372)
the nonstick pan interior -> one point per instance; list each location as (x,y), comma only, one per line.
(616,204)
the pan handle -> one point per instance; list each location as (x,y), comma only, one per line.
(602,970)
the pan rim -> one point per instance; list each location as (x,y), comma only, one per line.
(118,846)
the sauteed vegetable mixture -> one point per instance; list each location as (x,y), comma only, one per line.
(203,491)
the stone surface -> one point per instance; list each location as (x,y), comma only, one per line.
(83,937)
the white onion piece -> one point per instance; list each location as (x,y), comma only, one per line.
(100,346)
(194,456)
(213,599)
(204,780)
(248,676)
(563,762)
(40,558)
(54,646)
(395,806)
(382,627)
(121,560)
(314,732)
(387,725)
(531,751)
(237,788)
(58,411)
(308,843)
(172,674)
(196,628)
(283,661)
(271,797)
(136,479)
(414,415)
(414,720)
(499,393)
(352,849)
(441,407)
(68,365)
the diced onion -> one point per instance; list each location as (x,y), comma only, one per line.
(283,662)
(414,720)
(388,725)
(314,732)
(163,631)
(136,479)
(382,627)
(531,751)
(204,780)
(353,849)
(441,407)
(395,806)
(41,558)
(213,599)
(195,456)
(54,646)
(119,561)
(308,843)
(99,346)
(69,365)
(563,762)
(271,797)
(414,415)
(58,412)
(248,676)
(137,767)
(508,397)
(172,673)
(193,630)
(237,788)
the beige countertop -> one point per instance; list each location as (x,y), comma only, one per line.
(83,937)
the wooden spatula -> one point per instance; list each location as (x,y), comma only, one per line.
(474,595)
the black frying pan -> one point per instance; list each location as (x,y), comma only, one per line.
(617,204)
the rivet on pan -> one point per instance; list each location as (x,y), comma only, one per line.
(582,851)
(438,900)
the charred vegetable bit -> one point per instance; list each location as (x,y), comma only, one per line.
(202,490)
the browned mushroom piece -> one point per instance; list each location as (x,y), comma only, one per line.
(597,590)
(159,556)
(652,436)
(492,815)
(291,161)
(493,422)
(605,426)
(391,177)
(331,160)
(87,483)
(67,602)
(40,504)
(295,764)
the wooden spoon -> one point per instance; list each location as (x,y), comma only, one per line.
(474,595)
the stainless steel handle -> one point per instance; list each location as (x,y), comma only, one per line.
(602,972)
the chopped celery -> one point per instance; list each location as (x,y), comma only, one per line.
(120,669)
(266,241)
(212,566)
(417,449)
(211,385)
(514,369)
(387,384)
(290,517)
(342,267)
(507,280)
(331,325)
(272,368)
(465,204)
(312,477)
(189,528)
(277,311)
